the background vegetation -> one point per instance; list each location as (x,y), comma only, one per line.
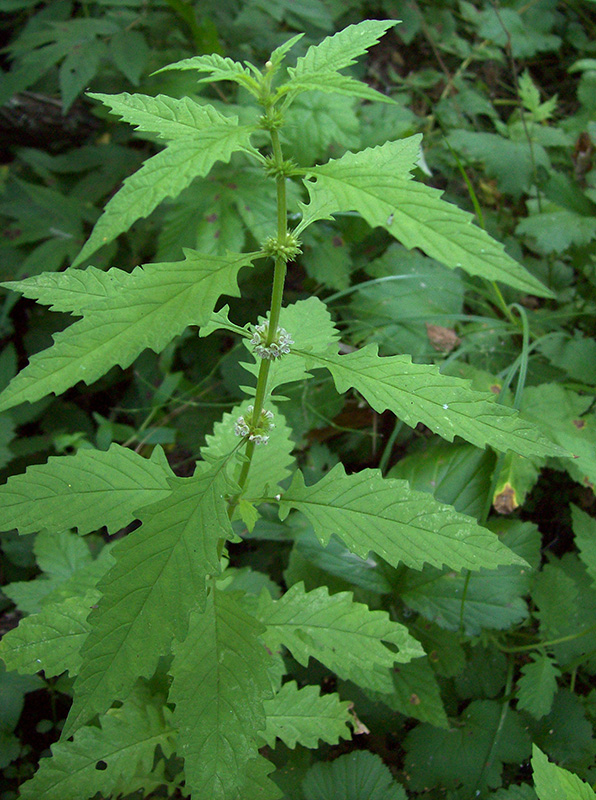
(505,96)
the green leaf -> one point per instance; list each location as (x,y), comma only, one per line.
(61,555)
(345,636)
(50,640)
(386,517)
(483,598)
(158,578)
(84,491)
(420,393)
(220,684)
(584,530)
(124,745)
(566,734)
(202,137)
(376,183)
(144,309)
(416,693)
(457,474)
(537,687)
(218,69)
(565,417)
(318,68)
(470,755)
(555,783)
(302,716)
(353,776)
(79,68)
(130,53)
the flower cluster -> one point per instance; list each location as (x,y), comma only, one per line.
(259,433)
(278,347)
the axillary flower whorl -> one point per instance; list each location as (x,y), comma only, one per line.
(257,433)
(279,345)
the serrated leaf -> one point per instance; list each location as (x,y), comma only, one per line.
(125,743)
(370,513)
(143,309)
(51,639)
(318,68)
(470,755)
(344,635)
(158,578)
(202,137)
(271,463)
(353,776)
(220,683)
(537,687)
(555,783)
(61,555)
(420,393)
(584,530)
(302,716)
(518,474)
(84,491)
(376,183)
(218,67)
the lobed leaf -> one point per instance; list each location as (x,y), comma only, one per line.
(204,136)
(143,309)
(303,716)
(220,682)
(158,578)
(84,491)
(344,635)
(124,745)
(370,513)
(51,639)
(376,183)
(584,529)
(218,67)
(420,393)
(537,686)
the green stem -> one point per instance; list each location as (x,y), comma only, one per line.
(279,277)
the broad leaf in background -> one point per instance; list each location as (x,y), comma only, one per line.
(555,783)
(470,755)
(159,577)
(124,745)
(84,491)
(219,687)
(353,776)
(197,135)
(303,716)
(376,183)
(401,526)
(344,635)
(420,393)
(143,309)
(481,599)
(584,529)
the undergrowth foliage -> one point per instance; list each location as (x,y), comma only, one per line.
(183,675)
